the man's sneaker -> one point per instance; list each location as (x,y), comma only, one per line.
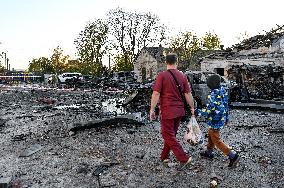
(166,162)
(234,161)
(183,165)
(207,154)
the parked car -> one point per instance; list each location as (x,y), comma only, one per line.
(68,76)
(200,89)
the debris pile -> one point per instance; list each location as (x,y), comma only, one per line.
(74,141)
(257,82)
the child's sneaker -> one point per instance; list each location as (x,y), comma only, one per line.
(207,154)
(234,160)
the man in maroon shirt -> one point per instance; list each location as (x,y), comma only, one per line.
(165,91)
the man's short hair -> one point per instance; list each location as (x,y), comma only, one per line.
(171,58)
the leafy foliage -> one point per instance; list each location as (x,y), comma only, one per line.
(58,60)
(56,64)
(73,66)
(41,65)
(91,45)
(211,41)
(188,46)
(123,63)
(185,44)
(2,69)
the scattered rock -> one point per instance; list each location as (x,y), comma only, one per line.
(71,133)
(30,151)
(5,182)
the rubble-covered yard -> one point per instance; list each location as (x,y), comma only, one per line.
(39,150)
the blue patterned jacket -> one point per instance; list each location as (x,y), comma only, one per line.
(217,108)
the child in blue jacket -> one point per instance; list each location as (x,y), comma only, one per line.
(216,113)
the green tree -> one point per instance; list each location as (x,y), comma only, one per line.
(91,44)
(190,48)
(59,60)
(211,41)
(41,65)
(96,69)
(185,44)
(2,69)
(131,31)
(73,66)
(123,63)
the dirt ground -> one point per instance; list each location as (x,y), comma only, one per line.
(130,153)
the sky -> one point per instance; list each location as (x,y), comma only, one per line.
(33,28)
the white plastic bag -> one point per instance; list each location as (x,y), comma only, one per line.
(193,134)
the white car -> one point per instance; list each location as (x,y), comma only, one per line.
(62,78)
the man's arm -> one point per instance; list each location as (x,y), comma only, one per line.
(154,101)
(189,100)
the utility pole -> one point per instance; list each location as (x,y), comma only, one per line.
(8,65)
(109,62)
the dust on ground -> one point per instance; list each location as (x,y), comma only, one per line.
(132,151)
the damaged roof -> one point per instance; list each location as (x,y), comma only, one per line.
(156,52)
(153,50)
(266,40)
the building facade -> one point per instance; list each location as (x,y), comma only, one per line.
(149,63)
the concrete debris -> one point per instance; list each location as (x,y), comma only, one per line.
(276,130)
(31,150)
(83,168)
(3,122)
(100,169)
(272,105)
(96,143)
(47,101)
(130,98)
(20,137)
(213,183)
(5,182)
(264,161)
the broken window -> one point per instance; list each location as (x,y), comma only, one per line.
(219,71)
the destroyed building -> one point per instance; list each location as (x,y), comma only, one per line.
(258,50)
(256,64)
